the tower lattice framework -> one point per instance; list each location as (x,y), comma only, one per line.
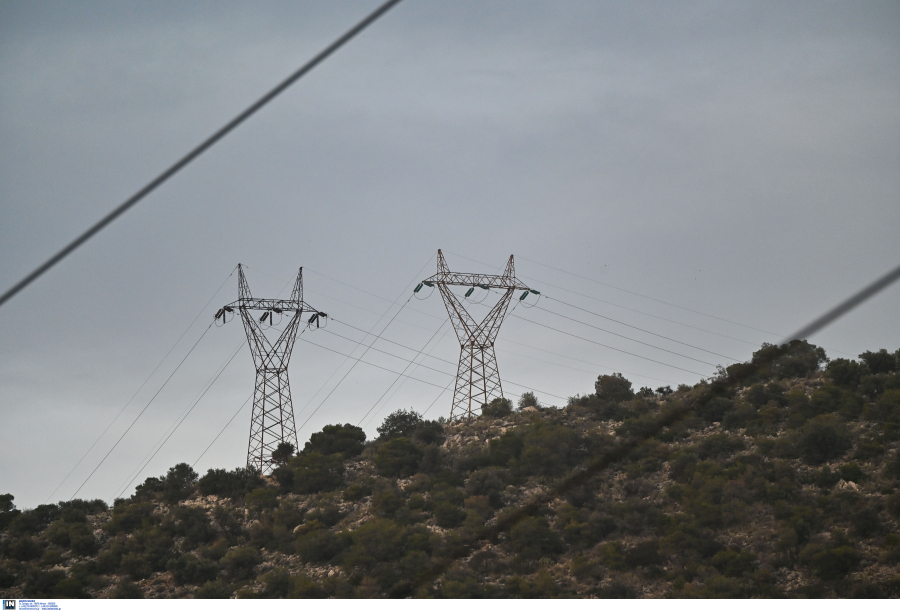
(477,376)
(272,420)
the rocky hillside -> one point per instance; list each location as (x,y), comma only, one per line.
(787,485)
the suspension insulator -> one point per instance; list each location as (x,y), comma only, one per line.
(482,286)
(470,291)
(227,309)
(264,317)
(276,310)
(220,313)
(524,295)
(313,319)
(418,288)
(534,292)
(428,284)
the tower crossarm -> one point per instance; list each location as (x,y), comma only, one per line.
(488,280)
(285,305)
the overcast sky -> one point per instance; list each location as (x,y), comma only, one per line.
(717,174)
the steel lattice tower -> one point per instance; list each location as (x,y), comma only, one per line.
(272,421)
(477,377)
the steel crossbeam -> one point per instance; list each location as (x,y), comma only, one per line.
(477,376)
(272,419)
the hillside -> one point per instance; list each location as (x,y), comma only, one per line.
(781,478)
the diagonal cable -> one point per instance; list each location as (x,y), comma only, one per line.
(197,151)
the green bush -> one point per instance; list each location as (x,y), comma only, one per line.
(548,449)
(719,445)
(218,589)
(316,472)
(401,423)
(337,439)
(823,438)
(189,569)
(398,457)
(613,388)
(497,408)
(231,484)
(533,539)
(127,589)
(127,518)
(240,562)
(833,560)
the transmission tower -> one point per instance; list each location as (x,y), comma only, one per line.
(272,421)
(477,377)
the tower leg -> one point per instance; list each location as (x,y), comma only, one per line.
(477,381)
(272,420)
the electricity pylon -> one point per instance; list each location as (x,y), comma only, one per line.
(477,377)
(272,421)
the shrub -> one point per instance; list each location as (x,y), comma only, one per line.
(193,570)
(126,589)
(833,560)
(548,449)
(715,409)
(488,482)
(193,524)
(261,499)
(127,518)
(505,448)
(880,362)
(232,484)
(398,457)
(645,553)
(532,539)
(613,389)
(319,545)
(401,423)
(214,589)
(497,408)
(240,562)
(283,453)
(823,438)
(528,399)
(718,445)
(359,489)
(844,372)
(316,472)
(337,438)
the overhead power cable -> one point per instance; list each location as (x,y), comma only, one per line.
(198,150)
(631,339)
(96,441)
(605,346)
(183,418)
(847,305)
(122,436)
(632,327)
(674,305)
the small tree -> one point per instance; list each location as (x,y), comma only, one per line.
(401,423)
(283,453)
(528,399)
(337,438)
(613,389)
(497,408)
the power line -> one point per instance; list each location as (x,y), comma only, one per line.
(122,436)
(634,327)
(847,305)
(674,305)
(631,339)
(605,346)
(197,151)
(96,441)
(197,402)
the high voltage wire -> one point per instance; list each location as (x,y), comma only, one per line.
(142,464)
(141,386)
(605,346)
(401,374)
(633,327)
(122,436)
(619,305)
(674,305)
(631,339)
(197,151)
(419,273)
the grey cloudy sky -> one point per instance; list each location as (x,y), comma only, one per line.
(734,159)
